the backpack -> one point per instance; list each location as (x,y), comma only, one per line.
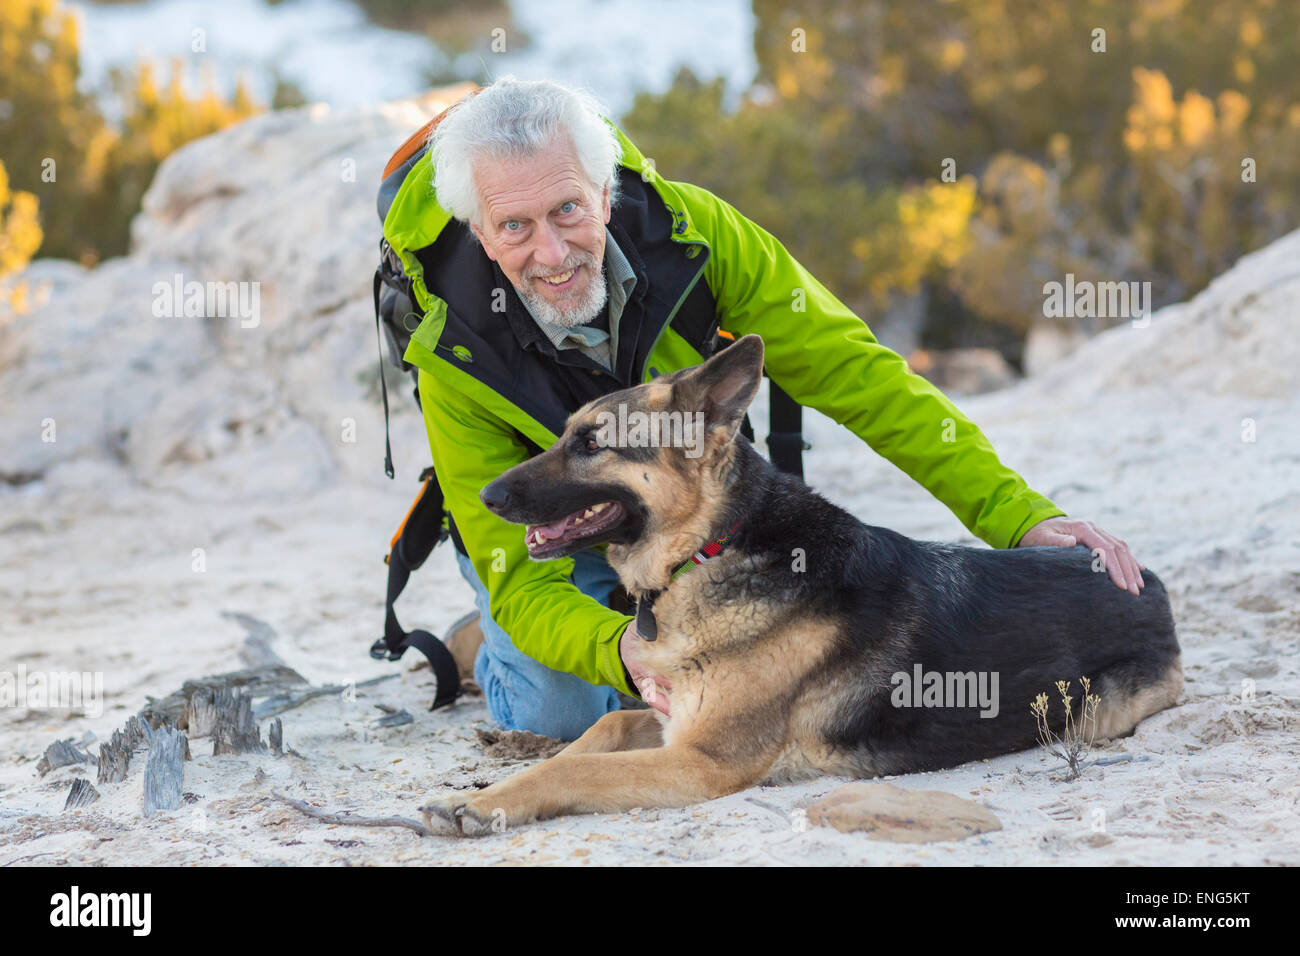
(425,525)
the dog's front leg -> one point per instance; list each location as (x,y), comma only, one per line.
(671,776)
(619,730)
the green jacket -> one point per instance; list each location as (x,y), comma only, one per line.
(482,417)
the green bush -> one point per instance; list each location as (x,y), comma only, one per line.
(983,147)
(89,174)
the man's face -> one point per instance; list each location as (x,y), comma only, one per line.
(544,224)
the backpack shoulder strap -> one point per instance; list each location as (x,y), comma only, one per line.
(420,531)
(423,527)
(785,439)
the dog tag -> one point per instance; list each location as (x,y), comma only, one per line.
(646,626)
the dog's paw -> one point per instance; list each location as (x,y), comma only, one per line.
(458,814)
(442,814)
(475,823)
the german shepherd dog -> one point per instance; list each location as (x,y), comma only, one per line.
(787,652)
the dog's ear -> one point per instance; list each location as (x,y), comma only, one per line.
(723,387)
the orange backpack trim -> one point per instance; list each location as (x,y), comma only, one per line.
(417,139)
(424,486)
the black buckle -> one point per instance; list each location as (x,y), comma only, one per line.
(787,441)
(390,267)
(380,652)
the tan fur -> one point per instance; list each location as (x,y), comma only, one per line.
(752,714)
(756,712)
(671,776)
(684,507)
(753,685)
(620,730)
(1118,718)
(749,716)
(682,495)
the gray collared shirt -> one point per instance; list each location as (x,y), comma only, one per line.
(597,344)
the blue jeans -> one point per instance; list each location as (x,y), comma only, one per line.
(523,694)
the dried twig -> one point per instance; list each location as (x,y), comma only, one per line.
(287,700)
(1098,762)
(769,806)
(24,859)
(348,820)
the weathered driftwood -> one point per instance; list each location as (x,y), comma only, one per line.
(62,753)
(254,681)
(275,736)
(256,651)
(394,718)
(82,794)
(282,688)
(234,731)
(165,770)
(289,699)
(349,820)
(115,756)
(208,707)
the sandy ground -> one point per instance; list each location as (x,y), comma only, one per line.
(1142,431)
(1215,780)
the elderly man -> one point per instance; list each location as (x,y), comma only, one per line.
(553,265)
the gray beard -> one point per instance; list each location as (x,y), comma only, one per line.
(580,313)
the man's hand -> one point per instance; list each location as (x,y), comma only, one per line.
(1063,532)
(653,688)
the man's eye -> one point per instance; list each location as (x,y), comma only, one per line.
(568,207)
(514,225)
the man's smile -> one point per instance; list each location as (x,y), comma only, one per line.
(561,280)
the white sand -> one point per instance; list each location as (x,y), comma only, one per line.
(172,438)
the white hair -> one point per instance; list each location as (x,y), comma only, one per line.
(513,119)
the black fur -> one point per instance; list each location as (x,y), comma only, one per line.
(1033,615)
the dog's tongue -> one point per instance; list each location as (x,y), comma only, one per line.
(553,530)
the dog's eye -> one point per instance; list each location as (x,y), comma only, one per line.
(592,443)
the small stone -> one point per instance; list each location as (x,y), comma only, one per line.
(885,812)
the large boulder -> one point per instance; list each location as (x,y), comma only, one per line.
(109,376)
